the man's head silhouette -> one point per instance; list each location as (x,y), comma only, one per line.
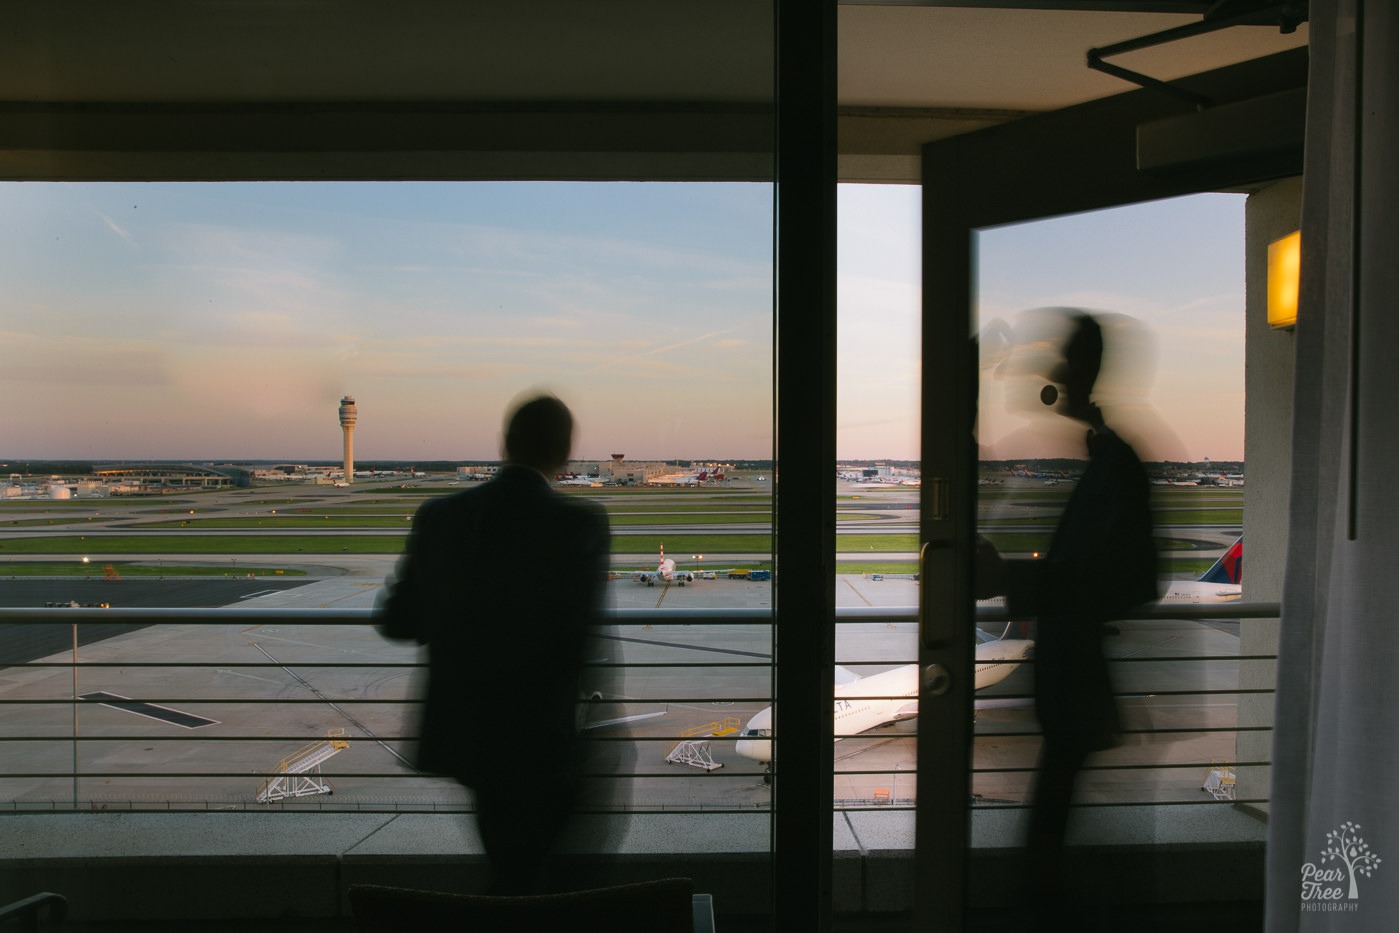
(539,434)
(1083,357)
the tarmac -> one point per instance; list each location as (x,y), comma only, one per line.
(271,689)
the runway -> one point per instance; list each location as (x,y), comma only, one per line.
(20,644)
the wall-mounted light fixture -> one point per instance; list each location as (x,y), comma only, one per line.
(1284,271)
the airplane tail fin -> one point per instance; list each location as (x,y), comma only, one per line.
(1229,568)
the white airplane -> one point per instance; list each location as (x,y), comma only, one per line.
(665,572)
(862,703)
(1221,583)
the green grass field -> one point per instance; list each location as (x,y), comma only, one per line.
(691,515)
(1164,518)
(889,566)
(26,522)
(276,522)
(204,544)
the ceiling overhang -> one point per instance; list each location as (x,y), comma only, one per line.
(615,89)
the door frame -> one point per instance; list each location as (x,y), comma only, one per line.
(1081,158)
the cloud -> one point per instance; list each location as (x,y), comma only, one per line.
(667,348)
(116,228)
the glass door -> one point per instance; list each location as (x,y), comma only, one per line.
(1080,159)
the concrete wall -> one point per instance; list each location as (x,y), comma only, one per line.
(202,867)
(1269,214)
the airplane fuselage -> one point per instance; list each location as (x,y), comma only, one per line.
(665,572)
(889,696)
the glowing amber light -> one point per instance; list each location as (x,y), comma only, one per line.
(1284,271)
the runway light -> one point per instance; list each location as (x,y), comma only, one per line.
(1284,274)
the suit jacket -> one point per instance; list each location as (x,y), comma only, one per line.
(1101,565)
(1101,562)
(503,583)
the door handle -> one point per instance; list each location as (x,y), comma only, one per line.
(937,572)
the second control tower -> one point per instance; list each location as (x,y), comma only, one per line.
(348,416)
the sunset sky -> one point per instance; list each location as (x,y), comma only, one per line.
(224,321)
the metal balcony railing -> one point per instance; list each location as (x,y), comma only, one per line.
(195,709)
(1196,719)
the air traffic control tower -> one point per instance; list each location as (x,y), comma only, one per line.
(348,416)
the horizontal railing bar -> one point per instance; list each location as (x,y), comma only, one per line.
(228,615)
(344,775)
(903,803)
(306,738)
(715,616)
(68,738)
(1135,767)
(1221,611)
(306,805)
(1146,695)
(321,701)
(727,699)
(1202,730)
(842,772)
(358,665)
(236,665)
(1202,657)
(1090,805)
(598,665)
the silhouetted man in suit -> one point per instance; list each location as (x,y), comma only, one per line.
(504,584)
(1101,564)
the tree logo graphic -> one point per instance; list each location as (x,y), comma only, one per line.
(1329,882)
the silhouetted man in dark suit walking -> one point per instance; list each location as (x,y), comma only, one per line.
(504,584)
(1101,564)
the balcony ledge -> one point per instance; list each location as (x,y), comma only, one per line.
(249,865)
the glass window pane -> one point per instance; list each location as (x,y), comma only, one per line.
(187,353)
(878,495)
(1165,281)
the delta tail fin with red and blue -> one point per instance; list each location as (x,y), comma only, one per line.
(1230,566)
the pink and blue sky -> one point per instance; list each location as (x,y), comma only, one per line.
(224,321)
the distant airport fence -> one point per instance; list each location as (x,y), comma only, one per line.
(312,711)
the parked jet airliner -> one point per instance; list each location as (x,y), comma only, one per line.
(665,572)
(865,702)
(1222,582)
